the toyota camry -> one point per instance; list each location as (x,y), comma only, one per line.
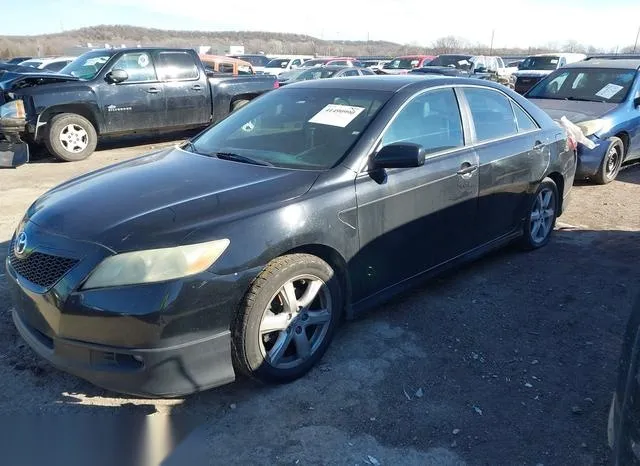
(240,251)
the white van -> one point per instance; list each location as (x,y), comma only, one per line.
(535,67)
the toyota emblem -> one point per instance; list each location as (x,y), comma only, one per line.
(21,244)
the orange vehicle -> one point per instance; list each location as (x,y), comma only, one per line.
(227,65)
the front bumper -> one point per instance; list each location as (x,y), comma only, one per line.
(162,339)
(13,151)
(590,160)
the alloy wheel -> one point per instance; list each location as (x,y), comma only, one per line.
(542,215)
(295,322)
(74,138)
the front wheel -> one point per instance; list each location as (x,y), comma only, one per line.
(611,163)
(287,319)
(541,216)
(71,137)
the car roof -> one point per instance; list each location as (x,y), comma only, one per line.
(392,83)
(629,64)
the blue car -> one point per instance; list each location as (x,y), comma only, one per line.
(602,97)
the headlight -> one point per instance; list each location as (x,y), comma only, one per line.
(156,265)
(13,109)
(591,127)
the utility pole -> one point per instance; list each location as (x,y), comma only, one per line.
(636,43)
(493,32)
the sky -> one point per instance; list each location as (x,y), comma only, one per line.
(517,23)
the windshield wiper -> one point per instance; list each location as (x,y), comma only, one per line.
(189,147)
(584,100)
(241,158)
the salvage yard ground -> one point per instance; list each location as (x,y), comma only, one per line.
(510,360)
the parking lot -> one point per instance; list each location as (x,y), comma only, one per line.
(510,360)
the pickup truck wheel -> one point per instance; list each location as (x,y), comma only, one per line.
(238,104)
(71,137)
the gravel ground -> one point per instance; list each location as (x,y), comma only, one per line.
(510,360)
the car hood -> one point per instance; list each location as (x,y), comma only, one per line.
(576,111)
(158,199)
(12,80)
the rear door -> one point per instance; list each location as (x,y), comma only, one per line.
(511,151)
(412,219)
(187,89)
(137,103)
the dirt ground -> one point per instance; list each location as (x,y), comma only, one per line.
(510,360)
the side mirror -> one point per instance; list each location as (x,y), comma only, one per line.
(117,76)
(400,155)
(636,102)
(480,69)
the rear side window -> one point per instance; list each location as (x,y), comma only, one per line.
(525,122)
(176,66)
(492,114)
(225,68)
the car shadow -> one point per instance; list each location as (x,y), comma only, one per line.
(509,338)
(630,173)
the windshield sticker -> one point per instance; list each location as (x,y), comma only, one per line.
(143,60)
(336,115)
(609,91)
(415,62)
(463,62)
(553,61)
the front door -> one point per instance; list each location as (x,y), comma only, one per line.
(186,88)
(413,219)
(137,103)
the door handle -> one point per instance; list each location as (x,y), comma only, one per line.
(538,145)
(196,87)
(153,90)
(466,169)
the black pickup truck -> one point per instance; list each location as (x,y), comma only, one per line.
(115,92)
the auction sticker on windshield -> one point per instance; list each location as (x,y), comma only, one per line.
(609,91)
(336,115)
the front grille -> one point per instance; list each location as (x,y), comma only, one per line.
(42,269)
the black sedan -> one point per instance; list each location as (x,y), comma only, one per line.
(240,251)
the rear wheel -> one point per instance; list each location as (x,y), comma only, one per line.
(541,218)
(71,137)
(287,319)
(611,162)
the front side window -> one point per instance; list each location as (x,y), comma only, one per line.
(138,66)
(492,114)
(176,66)
(306,129)
(431,120)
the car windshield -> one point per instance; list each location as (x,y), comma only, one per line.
(540,63)
(31,63)
(255,60)
(87,66)
(307,129)
(310,63)
(461,62)
(278,63)
(588,84)
(402,63)
(316,73)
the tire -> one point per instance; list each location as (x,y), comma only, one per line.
(238,104)
(611,162)
(255,347)
(532,238)
(71,137)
